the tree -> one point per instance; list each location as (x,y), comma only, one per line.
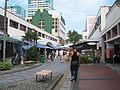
(33,54)
(35,37)
(28,36)
(73,37)
(31,36)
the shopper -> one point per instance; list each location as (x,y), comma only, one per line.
(74,65)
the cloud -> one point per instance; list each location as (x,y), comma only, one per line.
(73,11)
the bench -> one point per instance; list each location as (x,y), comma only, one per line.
(43,74)
(29,62)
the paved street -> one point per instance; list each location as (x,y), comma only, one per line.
(94,77)
(25,80)
(98,77)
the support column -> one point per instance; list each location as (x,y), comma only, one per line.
(118,29)
(103,50)
(109,52)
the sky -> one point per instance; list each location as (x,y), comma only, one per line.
(73,11)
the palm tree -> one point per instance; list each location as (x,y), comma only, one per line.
(28,36)
(73,37)
(31,36)
(35,37)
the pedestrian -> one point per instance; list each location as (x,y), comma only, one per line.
(74,65)
(61,55)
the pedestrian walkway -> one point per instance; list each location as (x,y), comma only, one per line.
(94,77)
(25,80)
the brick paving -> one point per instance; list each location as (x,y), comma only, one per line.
(98,77)
(94,77)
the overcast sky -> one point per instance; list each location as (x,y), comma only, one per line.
(73,11)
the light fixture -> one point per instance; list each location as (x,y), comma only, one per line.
(91,43)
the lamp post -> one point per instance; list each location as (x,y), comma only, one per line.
(4,41)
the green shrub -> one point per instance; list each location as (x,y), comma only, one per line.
(33,54)
(5,66)
(84,59)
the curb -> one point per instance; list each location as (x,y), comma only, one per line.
(55,82)
(19,70)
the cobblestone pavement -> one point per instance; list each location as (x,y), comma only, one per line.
(98,77)
(25,80)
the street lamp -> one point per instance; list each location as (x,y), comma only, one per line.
(4,41)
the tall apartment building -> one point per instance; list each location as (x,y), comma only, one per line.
(34,5)
(17,10)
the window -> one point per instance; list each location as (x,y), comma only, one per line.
(43,35)
(14,24)
(22,27)
(2,23)
(39,34)
(55,30)
(29,29)
(56,26)
(41,24)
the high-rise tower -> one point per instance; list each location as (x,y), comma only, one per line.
(17,10)
(33,6)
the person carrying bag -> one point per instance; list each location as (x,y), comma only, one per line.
(74,65)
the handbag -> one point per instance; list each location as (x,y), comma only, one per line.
(74,62)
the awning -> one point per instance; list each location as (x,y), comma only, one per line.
(85,45)
(40,45)
(53,47)
(10,39)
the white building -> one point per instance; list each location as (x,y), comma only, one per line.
(16,27)
(33,6)
(111,35)
(99,24)
(58,25)
(17,10)
(89,23)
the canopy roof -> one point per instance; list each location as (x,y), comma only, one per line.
(40,45)
(85,45)
(10,39)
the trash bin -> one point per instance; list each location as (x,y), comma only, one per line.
(42,58)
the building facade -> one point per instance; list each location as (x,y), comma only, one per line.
(111,35)
(17,27)
(50,21)
(99,23)
(89,23)
(98,26)
(17,10)
(34,5)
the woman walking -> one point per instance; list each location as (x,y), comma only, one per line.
(74,65)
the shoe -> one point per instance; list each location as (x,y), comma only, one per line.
(72,78)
